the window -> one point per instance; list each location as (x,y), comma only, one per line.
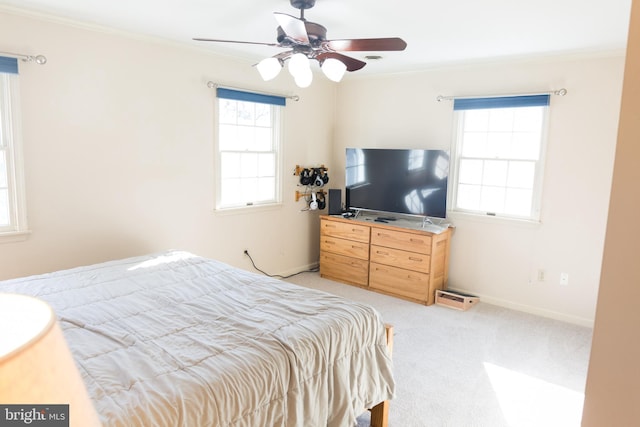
(248,152)
(12,205)
(498,155)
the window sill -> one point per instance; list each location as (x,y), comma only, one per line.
(248,209)
(14,236)
(489,219)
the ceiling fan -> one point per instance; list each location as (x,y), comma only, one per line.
(308,40)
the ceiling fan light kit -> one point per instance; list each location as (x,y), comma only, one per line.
(269,68)
(308,40)
(333,69)
(300,69)
(298,64)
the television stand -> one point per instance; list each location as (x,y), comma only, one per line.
(387,257)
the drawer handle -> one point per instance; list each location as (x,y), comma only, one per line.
(356,230)
(415,259)
(416,240)
(329,242)
(330,226)
(382,253)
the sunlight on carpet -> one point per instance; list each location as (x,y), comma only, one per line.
(531,402)
(486,367)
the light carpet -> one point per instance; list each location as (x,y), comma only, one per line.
(485,367)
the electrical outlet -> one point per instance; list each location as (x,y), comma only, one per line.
(540,275)
(564,278)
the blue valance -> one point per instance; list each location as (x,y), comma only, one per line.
(8,65)
(501,102)
(250,96)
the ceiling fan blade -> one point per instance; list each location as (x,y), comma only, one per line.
(382,44)
(293,27)
(234,41)
(351,63)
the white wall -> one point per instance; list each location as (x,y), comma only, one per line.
(118,150)
(494,259)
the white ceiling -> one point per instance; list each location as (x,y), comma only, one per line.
(437,32)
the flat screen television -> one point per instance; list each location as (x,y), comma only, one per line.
(402,181)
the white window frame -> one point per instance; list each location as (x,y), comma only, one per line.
(277,113)
(11,148)
(536,198)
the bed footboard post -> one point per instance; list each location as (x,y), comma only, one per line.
(389,331)
(380,412)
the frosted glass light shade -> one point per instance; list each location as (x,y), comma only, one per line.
(269,68)
(334,69)
(36,366)
(298,64)
(304,78)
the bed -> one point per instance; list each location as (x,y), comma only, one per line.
(174,339)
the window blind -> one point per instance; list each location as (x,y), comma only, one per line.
(8,65)
(501,102)
(239,95)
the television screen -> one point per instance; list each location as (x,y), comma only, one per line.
(397,181)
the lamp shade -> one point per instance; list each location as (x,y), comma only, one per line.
(298,64)
(36,366)
(334,69)
(304,78)
(269,68)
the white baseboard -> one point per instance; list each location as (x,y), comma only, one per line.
(532,310)
(291,271)
(580,321)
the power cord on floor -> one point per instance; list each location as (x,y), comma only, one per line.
(277,276)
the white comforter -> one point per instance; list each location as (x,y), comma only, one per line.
(174,339)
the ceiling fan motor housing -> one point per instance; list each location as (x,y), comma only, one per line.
(303,4)
(315,32)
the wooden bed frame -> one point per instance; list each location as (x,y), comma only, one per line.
(380,412)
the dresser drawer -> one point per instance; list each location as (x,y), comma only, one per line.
(419,243)
(345,230)
(403,259)
(398,281)
(344,269)
(344,247)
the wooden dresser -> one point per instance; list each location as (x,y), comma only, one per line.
(405,262)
